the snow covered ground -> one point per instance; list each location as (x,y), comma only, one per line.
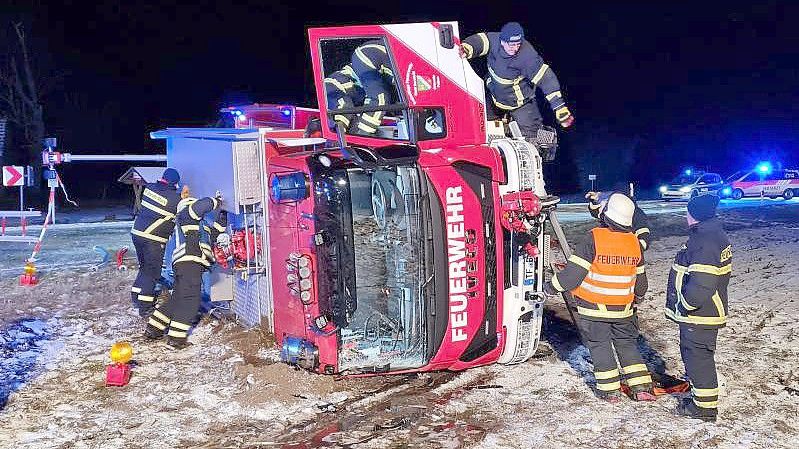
(228,390)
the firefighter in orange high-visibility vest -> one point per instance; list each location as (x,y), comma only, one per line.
(606,275)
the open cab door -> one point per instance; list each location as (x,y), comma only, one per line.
(389,85)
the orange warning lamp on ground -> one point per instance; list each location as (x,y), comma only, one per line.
(28,275)
(117,374)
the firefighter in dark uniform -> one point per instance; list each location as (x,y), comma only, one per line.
(192,256)
(696,299)
(596,200)
(343,90)
(372,67)
(150,233)
(515,70)
(605,275)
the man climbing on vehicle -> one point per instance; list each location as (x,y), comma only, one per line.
(192,256)
(372,67)
(343,90)
(515,70)
(696,299)
(605,275)
(150,233)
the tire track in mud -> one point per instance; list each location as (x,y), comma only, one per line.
(408,408)
(405,406)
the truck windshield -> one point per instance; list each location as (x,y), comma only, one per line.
(382,312)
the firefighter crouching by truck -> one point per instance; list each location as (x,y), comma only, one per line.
(606,275)
(150,233)
(192,256)
(696,299)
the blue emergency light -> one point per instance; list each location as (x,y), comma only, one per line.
(688,171)
(286,112)
(289,187)
(726,191)
(764,168)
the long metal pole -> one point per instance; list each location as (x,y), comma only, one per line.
(114,157)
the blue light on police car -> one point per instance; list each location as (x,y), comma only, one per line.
(663,189)
(289,187)
(764,167)
(286,112)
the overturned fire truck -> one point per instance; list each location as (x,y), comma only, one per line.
(420,247)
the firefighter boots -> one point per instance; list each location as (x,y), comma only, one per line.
(687,408)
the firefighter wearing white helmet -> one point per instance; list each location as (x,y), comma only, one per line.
(597,200)
(605,274)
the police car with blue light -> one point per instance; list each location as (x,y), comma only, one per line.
(691,183)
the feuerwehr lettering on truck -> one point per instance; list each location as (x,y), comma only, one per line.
(456,251)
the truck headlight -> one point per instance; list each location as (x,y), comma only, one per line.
(685,189)
(663,189)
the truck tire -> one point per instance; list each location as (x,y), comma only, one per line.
(737,194)
(788,194)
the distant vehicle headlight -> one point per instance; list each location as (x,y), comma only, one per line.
(663,189)
(685,189)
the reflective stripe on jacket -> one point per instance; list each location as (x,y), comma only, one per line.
(156,220)
(699,277)
(513,79)
(193,237)
(611,275)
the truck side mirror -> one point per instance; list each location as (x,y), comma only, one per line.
(446,36)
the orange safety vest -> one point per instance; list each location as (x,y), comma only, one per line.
(611,277)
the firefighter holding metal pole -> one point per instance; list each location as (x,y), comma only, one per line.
(193,255)
(696,299)
(597,200)
(150,233)
(605,275)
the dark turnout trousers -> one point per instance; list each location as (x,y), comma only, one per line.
(527,116)
(178,313)
(151,257)
(698,348)
(607,340)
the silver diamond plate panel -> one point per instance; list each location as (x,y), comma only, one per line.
(248,173)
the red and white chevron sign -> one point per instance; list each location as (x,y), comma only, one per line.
(13,175)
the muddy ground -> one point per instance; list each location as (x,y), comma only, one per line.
(229,391)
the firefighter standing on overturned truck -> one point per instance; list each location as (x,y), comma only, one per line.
(515,71)
(696,299)
(192,256)
(606,275)
(150,233)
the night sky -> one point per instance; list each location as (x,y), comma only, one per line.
(659,85)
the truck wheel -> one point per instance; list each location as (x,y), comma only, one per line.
(737,194)
(788,194)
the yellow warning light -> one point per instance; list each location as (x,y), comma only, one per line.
(29,269)
(121,352)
